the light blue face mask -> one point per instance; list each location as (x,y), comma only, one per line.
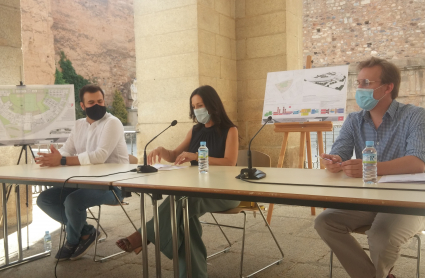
(364,98)
(202,115)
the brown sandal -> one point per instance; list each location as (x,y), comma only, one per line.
(131,243)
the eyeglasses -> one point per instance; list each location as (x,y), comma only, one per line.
(363,82)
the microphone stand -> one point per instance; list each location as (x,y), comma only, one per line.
(252,173)
(145,168)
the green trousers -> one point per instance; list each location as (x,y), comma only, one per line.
(197,208)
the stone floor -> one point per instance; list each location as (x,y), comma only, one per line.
(305,254)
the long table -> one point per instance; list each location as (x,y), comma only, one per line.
(33,174)
(302,187)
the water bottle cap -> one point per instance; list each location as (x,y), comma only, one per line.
(46,232)
(203,143)
(370,143)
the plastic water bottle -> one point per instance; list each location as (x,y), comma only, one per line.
(203,158)
(47,241)
(370,161)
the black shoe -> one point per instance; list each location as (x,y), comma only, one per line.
(66,251)
(84,246)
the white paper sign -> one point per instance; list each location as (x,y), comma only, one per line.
(318,94)
(36,114)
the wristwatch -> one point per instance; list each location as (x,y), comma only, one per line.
(63,160)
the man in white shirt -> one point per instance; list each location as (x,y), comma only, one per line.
(98,138)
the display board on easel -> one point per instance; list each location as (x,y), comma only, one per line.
(308,95)
(305,101)
(36,114)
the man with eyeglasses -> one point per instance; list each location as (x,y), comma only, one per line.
(398,131)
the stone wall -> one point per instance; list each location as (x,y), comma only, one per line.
(268,36)
(412,87)
(98,37)
(340,32)
(37,42)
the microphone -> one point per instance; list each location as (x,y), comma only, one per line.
(145,168)
(252,173)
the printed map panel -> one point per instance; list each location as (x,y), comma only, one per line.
(318,94)
(36,114)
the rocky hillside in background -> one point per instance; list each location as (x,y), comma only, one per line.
(98,37)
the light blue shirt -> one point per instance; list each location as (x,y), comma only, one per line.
(401,133)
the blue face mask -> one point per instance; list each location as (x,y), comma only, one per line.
(202,115)
(364,98)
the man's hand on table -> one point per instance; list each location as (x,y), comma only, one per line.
(353,168)
(331,162)
(49,159)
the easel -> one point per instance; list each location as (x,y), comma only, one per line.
(304,129)
(9,189)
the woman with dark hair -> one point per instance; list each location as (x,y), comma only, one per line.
(214,127)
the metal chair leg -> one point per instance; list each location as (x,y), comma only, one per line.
(106,235)
(243,244)
(275,240)
(418,260)
(226,249)
(99,226)
(271,232)
(97,229)
(123,209)
(243,241)
(331,264)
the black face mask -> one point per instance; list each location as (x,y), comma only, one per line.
(96,112)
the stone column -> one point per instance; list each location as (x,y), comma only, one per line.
(228,44)
(268,39)
(11,66)
(217,51)
(181,45)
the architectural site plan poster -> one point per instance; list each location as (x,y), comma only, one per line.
(318,94)
(36,114)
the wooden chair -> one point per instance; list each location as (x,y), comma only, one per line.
(133,160)
(362,231)
(259,159)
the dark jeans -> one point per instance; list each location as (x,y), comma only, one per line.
(71,211)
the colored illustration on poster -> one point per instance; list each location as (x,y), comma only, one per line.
(318,94)
(36,114)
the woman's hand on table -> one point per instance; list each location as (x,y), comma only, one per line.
(185,157)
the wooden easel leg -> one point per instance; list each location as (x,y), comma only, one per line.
(321,147)
(310,164)
(283,150)
(269,213)
(320,144)
(308,142)
(302,151)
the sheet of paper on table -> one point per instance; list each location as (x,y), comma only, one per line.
(410,178)
(166,167)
